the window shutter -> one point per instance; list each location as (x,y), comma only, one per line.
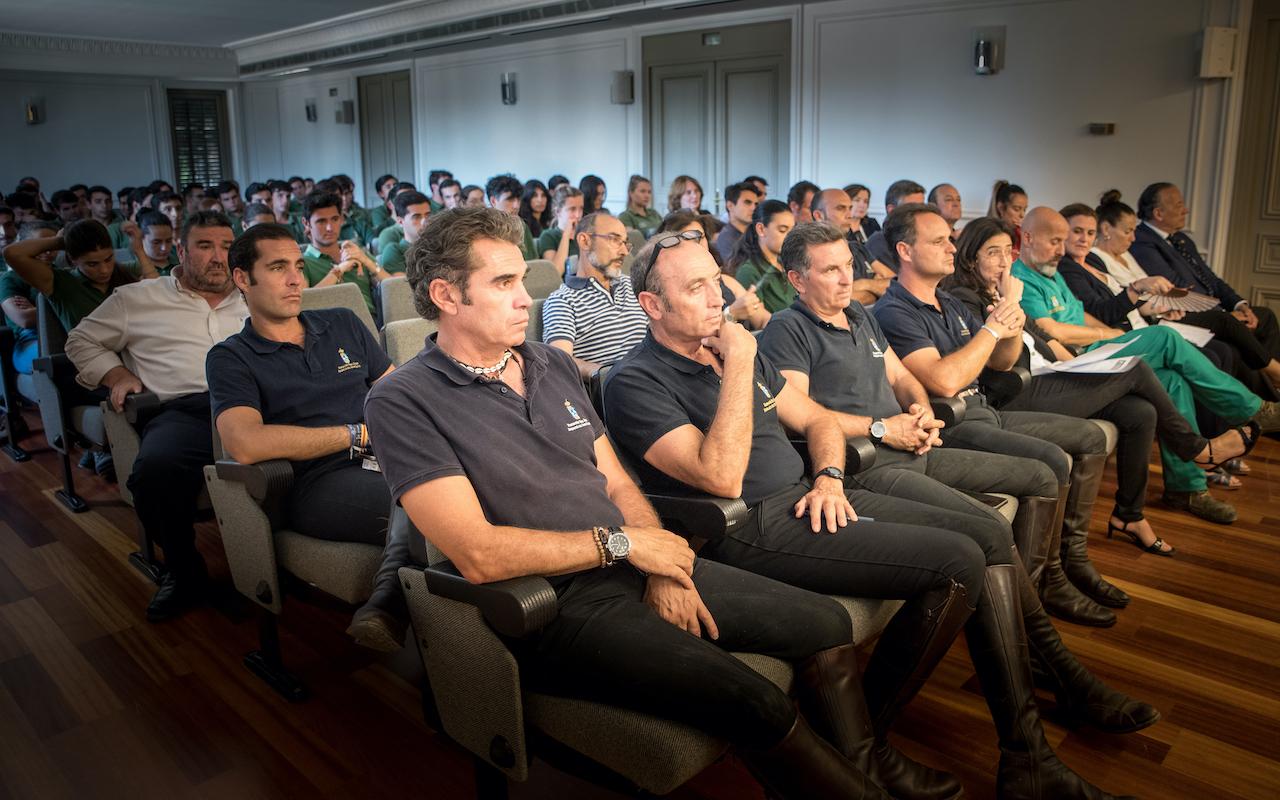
(201,150)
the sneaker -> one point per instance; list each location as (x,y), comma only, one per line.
(86,460)
(1202,504)
(377,630)
(1268,417)
(105,466)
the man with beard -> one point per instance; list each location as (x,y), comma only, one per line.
(154,336)
(595,317)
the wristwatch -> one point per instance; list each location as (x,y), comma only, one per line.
(831,472)
(878,430)
(616,546)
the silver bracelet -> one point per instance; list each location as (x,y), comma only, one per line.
(991,331)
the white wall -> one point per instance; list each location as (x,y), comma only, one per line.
(98,130)
(894,96)
(280,142)
(562,122)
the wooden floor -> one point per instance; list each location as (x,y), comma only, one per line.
(96,702)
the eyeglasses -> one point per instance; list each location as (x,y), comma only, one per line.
(613,239)
(662,244)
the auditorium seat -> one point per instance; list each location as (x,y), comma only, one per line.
(11,398)
(396,300)
(340,295)
(69,417)
(403,339)
(534,332)
(541,278)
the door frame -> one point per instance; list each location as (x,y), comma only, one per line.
(638,155)
(703,70)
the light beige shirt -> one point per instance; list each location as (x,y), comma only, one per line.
(159,331)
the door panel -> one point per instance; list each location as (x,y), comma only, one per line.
(681,124)
(386,128)
(750,117)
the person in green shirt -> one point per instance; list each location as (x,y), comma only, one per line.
(330,259)
(1186,374)
(228,194)
(435,178)
(18,300)
(640,214)
(381,215)
(566,210)
(393,233)
(413,208)
(151,252)
(757,264)
(101,205)
(73,293)
(259,214)
(451,194)
(504,192)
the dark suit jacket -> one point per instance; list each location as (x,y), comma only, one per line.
(1158,257)
(1113,309)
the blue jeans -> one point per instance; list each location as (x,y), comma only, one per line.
(25,350)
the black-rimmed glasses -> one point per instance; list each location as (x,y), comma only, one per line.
(665,242)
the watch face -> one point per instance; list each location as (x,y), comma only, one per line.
(878,429)
(619,545)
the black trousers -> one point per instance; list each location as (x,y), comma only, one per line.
(347,504)
(176,444)
(909,548)
(606,644)
(1140,408)
(1026,434)
(1256,347)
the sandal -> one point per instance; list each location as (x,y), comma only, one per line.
(1156,547)
(1249,432)
(1220,477)
(1237,466)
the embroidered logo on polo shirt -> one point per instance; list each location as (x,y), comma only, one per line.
(577,420)
(770,402)
(964,329)
(876,352)
(347,364)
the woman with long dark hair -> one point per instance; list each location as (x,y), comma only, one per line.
(1009,205)
(863,224)
(593,194)
(535,207)
(755,258)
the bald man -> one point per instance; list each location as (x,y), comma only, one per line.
(870,276)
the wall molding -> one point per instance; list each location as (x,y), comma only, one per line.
(110,47)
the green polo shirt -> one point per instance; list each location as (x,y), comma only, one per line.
(380,218)
(12,285)
(776,292)
(316,266)
(550,240)
(73,297)
(1047,297)
(119,239)
(390,236)
(646,224)
(391,257)
(435,206)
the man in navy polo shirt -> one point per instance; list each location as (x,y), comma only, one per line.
(946,347)
(292,385)
(491,445)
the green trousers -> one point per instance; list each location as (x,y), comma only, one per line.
(1189,378)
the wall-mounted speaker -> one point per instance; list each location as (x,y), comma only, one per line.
(623,90)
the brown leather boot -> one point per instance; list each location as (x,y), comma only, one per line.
(804,766)
(1086,475)
(1028,770)
(1033,530)
(910,646)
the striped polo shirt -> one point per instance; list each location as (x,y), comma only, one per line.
(601,324)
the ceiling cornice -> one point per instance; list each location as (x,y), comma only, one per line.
(37,51)
(109,47)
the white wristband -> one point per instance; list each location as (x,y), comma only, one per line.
(991,331)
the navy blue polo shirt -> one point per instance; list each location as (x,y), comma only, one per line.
(321,384)
(654,390)
(878,246)
(845,367)
(531,460)
(912,324)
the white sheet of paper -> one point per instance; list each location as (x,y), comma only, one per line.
(1099,360)
(1196,336)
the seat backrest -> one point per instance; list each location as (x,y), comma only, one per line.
(397,300)
(534,332)
(341,295)
(53,337)
(542,278)
(636,238)
(403,338)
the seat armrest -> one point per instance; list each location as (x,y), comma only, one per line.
(699,515)
(515,608)
(1002,386)
(265,481)
(140,406)
(859,454)
(948,409)
(58,367)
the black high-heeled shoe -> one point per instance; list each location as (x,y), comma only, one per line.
(1249,432)
(1156,547)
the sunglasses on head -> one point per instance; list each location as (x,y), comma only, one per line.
(671,240)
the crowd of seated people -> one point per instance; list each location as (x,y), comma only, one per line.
(859,327)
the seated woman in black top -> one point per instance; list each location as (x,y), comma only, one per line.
(1135,401)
